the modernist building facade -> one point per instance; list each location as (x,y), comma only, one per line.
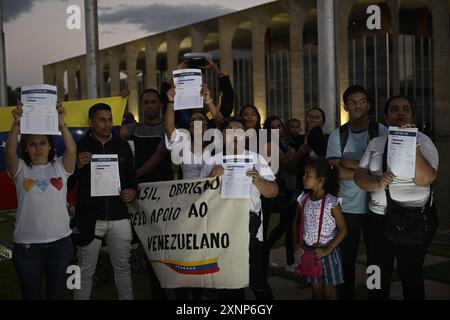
(271,53)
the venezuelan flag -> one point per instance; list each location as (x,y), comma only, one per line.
(192,267)
(77,121)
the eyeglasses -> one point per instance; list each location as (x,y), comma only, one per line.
(353,103)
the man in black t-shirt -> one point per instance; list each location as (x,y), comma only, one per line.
(152,160)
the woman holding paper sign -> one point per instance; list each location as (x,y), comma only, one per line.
(390,196)
(42,243)
(264,183)
(192,162)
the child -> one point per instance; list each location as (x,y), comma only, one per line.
(321,236)
(42,243)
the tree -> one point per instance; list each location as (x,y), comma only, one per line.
(13,95)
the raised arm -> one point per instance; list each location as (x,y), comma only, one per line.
(170,114)
(11,158)
(217,115)
(70,154)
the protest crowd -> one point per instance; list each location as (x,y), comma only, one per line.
(330,190)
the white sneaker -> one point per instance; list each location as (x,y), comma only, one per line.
(291,267)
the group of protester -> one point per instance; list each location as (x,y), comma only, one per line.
(328,190)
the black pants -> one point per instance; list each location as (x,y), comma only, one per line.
(188,294)
(157,292)
(287,213)
(410,259)
(349,250)
(258,275)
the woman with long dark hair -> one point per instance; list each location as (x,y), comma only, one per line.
(42,244)
(389,194)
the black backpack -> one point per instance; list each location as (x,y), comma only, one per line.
(343,132)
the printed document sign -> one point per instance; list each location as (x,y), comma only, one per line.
(105,180)
(401,156)
(188,84)
(39,110)
(235,183)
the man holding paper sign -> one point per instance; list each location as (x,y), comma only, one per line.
(410,192)
(106,182)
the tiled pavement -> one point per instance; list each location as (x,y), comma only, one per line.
(288,289)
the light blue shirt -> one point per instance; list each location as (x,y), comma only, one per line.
(354,199)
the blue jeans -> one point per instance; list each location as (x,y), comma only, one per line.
(33,261)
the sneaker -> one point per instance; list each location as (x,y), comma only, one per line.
(290,267)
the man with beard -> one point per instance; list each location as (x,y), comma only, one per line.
(152,160)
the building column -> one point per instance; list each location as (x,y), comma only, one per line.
(395,58)
(60,69)
(198,37)
(297,16)
(342,14)
(441,107)
(71,80)
(132,55)
(259,25)
(83,78)
(151,53)
(227,28)
(173,48)
(114,72)
(101,78)
(49,74)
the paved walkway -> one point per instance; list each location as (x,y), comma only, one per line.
(287,289)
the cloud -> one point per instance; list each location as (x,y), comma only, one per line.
(12,9)
(160,17)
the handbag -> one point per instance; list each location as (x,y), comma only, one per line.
(408,226)
(310,265)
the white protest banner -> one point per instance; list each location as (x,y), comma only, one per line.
(192,237)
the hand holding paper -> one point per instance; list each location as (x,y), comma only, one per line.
(401,157)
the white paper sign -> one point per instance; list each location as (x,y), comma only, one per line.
(39,110)
(188,83)
(105,179)
(235,183)
(401,156)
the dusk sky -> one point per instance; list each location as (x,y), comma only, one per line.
(36,32)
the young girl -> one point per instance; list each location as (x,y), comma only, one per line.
(321,235)
(42,243)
